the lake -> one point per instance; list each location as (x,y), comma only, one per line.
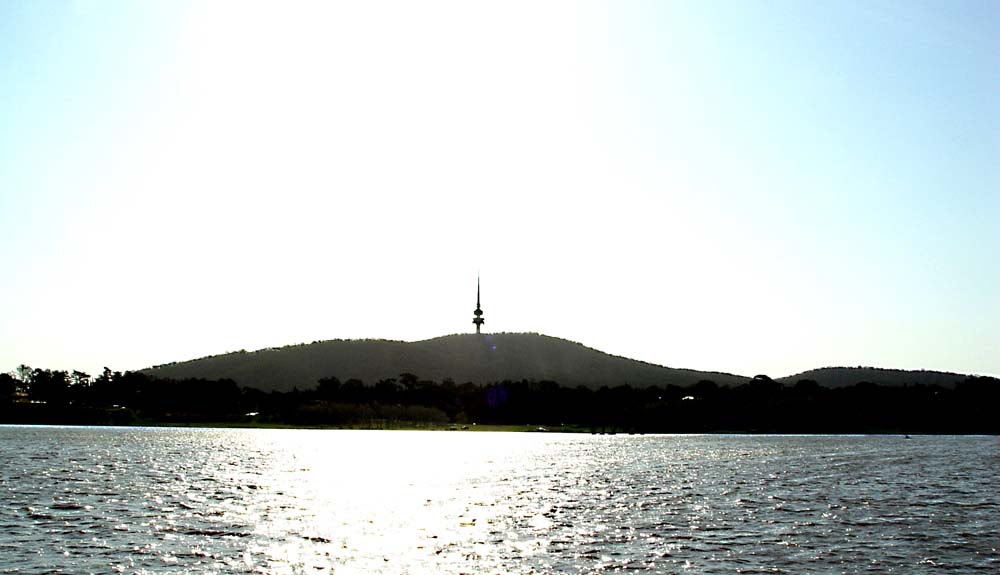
(149,500)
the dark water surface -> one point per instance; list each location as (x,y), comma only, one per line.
(131,500)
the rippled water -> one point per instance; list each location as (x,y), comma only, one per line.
(102,500)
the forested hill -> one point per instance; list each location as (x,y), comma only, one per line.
(836,377)
(465,357)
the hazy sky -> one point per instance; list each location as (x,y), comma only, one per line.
(760,187)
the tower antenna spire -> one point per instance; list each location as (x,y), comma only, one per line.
(478,319)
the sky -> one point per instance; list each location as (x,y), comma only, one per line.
(753,188)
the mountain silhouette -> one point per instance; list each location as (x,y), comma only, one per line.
(490,358)
(835,377)
(462,357)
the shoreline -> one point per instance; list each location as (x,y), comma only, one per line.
(488,428)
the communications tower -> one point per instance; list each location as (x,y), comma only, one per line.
(478,320)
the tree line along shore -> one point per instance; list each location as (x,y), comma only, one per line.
(760,405)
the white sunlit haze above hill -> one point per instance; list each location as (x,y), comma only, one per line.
(732,186)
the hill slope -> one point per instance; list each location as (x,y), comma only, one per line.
(835,377)
(464,357)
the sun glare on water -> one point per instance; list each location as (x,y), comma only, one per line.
(392,499)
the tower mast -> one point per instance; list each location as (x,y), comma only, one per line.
(478,320)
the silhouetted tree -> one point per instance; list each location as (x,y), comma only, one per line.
(8,387)
(764,385)
(806,387)
(408,381)
(353,391)
(24,376)
(386,391)
(705,389)
(49,386)
(79,379)
(328,387)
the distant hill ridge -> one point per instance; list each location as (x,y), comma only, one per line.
(483,358)
(835,377)
(489,358)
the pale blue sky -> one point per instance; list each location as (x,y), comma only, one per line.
(738,186)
